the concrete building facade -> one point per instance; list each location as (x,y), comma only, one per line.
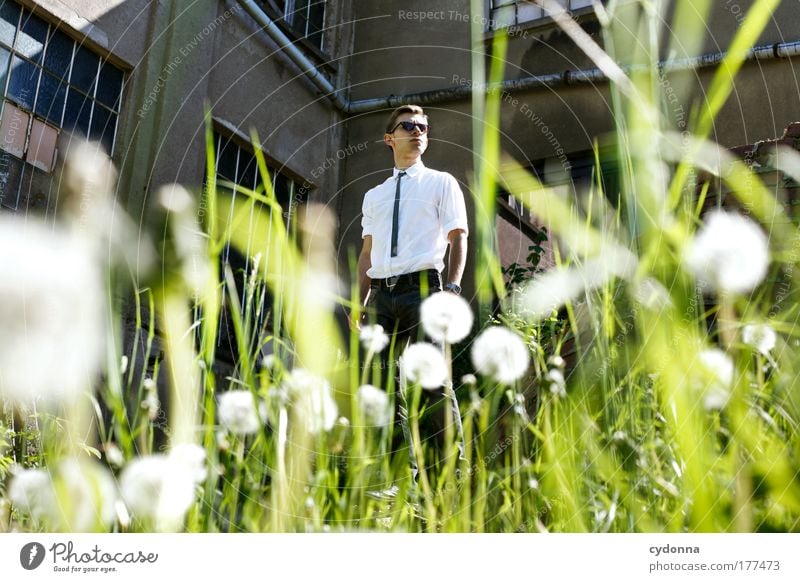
(316,79)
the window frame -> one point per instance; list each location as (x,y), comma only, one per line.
(224,135)
(65,82)
(279,13)
(495,23)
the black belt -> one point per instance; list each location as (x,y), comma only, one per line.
(407,280)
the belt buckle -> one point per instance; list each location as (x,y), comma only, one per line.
(391,282)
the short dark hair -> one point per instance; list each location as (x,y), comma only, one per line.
(415,109)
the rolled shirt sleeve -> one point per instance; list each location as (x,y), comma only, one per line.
(452,208)
(366,219)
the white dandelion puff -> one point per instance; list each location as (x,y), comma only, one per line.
(717,371)
(500,354)
(561,285)
(446,317)
(424,364)
(760,337)
(469,380)
(114,456)
(240,412)
(374,338)
(77,496)
(158,491)
(311,400)
(51,311)
(268,362)
(150,402)
(652,294)
(548,292)
(193,458)
(87,496)
(31,492)
(557,383)
(188,239)
(730,253)
(374,405)
(87,188)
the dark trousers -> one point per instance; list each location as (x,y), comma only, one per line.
(397,310)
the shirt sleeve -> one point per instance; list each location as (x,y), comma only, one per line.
(366,218)
(452,209)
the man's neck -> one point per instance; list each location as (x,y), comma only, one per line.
(406,163)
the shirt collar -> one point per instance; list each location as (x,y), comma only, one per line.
(411,170)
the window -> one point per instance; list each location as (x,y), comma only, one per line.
(304,18)
(49,83)
(236,163)
(504,13)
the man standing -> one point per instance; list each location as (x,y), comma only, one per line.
(408,223)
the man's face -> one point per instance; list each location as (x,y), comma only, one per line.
(405,142)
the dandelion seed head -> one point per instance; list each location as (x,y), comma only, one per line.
(239,412)
(158,491)
(554,288)
(423,363)
(557,390)
(223,444)
(548,292)
(268,362)
(469,380)
(114,456)
(192,458)
(188,241)
(761,337)
(374,338)
(311,400)
(374,405)
(500,354)
(87,496)
(729,254)
(151,404)
(446,317)
(88,176)
(555,375)
(31,491)
(717,371)
(51,314)
(78,496)
(652,294)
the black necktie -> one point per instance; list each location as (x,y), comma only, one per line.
(396,214)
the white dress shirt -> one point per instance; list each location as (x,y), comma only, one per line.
(431,206)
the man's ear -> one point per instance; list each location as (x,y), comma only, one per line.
(388,139)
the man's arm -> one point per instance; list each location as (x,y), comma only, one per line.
(364,263)
(457,259)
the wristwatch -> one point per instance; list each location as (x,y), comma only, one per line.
(453,288)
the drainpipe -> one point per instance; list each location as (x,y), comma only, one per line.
(308,68)
(346,106)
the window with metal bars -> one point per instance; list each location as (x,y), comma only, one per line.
(305,18)
(49,82)
(505,13)
(236,166)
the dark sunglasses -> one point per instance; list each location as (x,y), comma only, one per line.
(410,125)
